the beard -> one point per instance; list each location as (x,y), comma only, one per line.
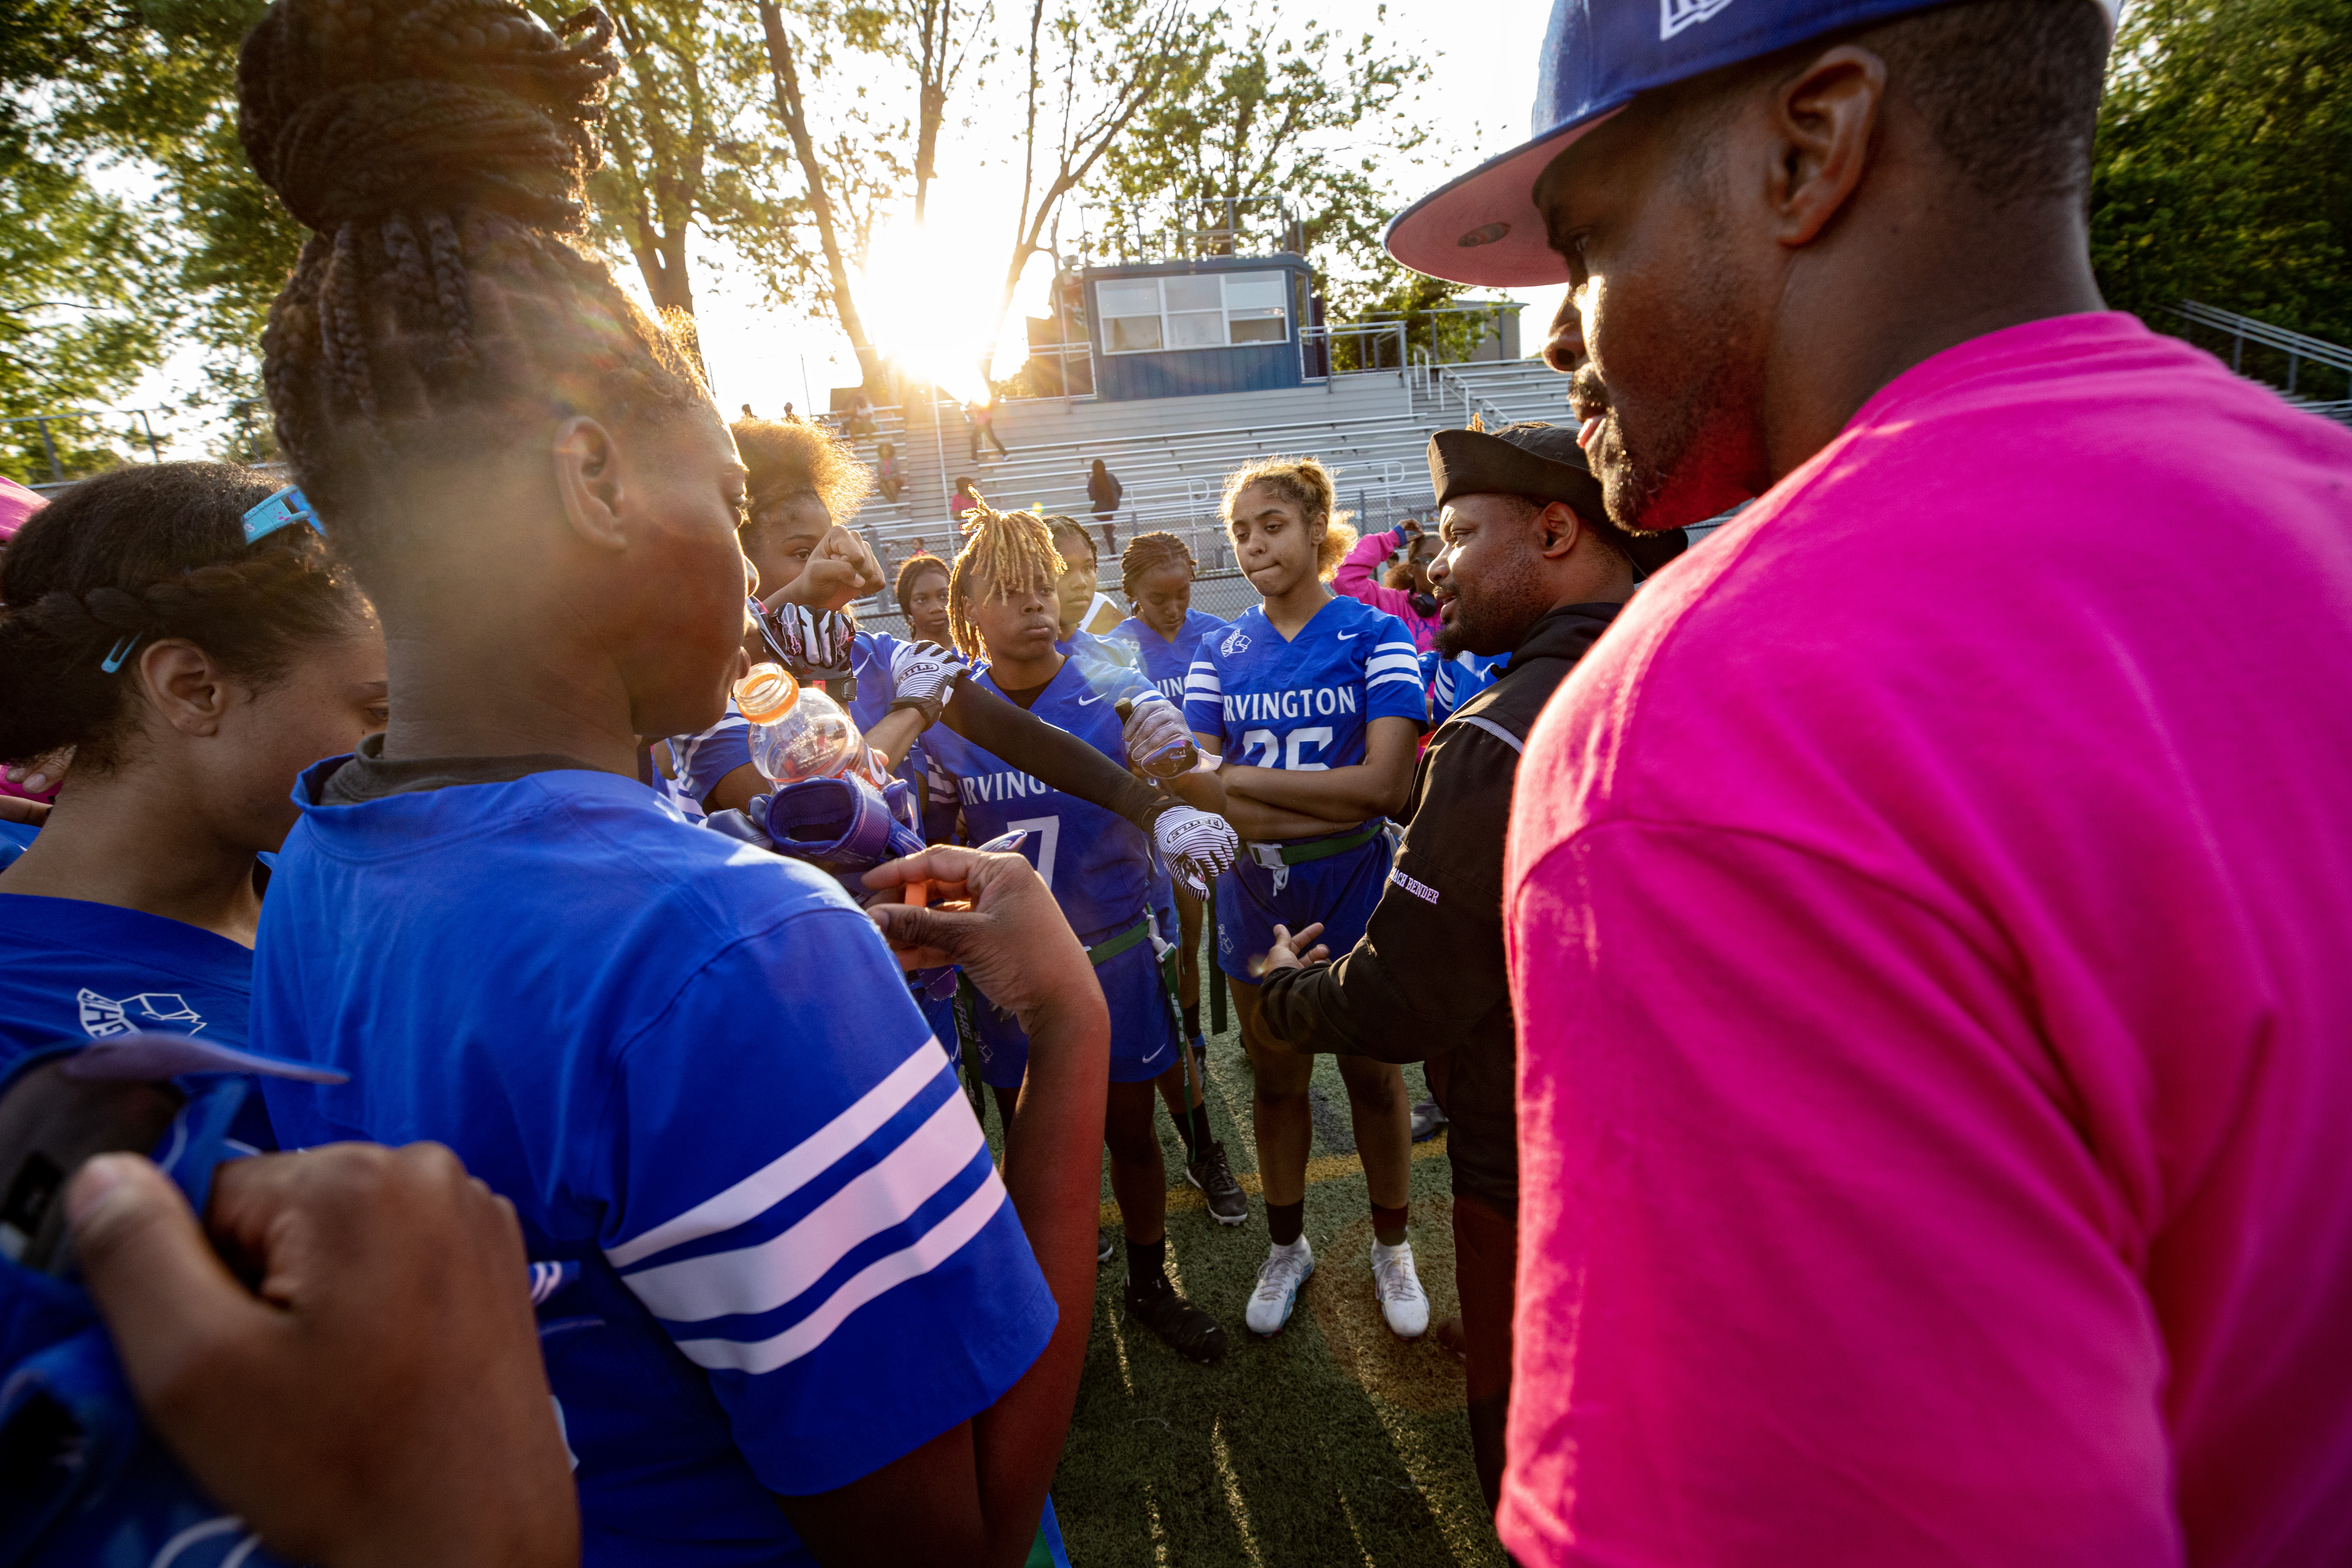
(1680,437)
(1491,617)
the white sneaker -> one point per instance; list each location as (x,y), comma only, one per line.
(1285,1270)
(1402,1301)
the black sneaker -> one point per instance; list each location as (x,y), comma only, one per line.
(1105,1245)
(1184,1328)
(1227,1206)
(1428,1122)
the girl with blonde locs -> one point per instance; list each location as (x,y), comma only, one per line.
(1314,704)
(515,948)
(1002,611)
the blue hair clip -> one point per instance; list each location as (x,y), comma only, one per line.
(289,505)
(119,652)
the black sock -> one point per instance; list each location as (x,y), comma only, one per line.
(1285,1221)
(1193,1021)
(1193,1128)
(1147,1265)
(1387,1225)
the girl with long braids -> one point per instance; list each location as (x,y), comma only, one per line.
(1002,610)
(1314,703)
(1156,573)
(197,661)
(811,1321)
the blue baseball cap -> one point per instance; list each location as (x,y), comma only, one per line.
(1484,228)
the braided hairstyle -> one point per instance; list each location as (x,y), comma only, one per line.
(151,551)
(1004,552)
(436,149)
(789,457)
(1306,484)
(1147,554)
(1070,530)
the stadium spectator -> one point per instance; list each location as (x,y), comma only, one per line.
(1531,568)
(1927,941)
(887,477)
(589,1017)
(1405,596)
(922,595)
(1156,574)
(964,502)
(193,672)
(980,419)
(1105,491)
(384,1401)
(1001,607)
(861,415)
(1314,706)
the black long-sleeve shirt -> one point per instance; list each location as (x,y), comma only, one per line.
(1427,978)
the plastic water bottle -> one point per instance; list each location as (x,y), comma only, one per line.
(798,732)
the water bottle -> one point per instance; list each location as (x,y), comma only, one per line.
(1171,761)
(798,732)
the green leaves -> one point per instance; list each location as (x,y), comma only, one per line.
(2223,170)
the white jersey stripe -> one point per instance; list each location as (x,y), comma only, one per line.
(941,1242)
(1380,664)
(1395,678)
(758,1192)
(762,1278)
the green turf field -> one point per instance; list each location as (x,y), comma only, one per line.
(1332,1443)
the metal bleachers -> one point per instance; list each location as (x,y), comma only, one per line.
(1172,454)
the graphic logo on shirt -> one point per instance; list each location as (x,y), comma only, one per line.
(1673,16)
(103,1018)
(1090,700)
(1225,940)
(1346,637)
(1236,641)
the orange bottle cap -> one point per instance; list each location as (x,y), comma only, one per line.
(768,693)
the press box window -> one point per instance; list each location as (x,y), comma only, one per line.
(1194,311)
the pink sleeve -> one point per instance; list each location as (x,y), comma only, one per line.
(1355,578)
(1779,1169)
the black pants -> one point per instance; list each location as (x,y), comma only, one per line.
(1486,1276)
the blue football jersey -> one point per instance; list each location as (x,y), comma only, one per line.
(1453,681)
(695,1069)
(1303,703)
(15,837)
(1097,863)
(77,971)
(1108,649)
(1166,661)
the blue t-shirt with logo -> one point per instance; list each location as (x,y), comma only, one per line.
(1167,661)
(694,1068)
(1097,863)
(74,970)
(1302,703)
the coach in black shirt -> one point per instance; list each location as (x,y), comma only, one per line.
(1532,568)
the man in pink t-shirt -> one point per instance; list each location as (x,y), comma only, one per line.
(1930,905)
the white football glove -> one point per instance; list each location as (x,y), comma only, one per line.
(804,640)
(1198,846)
(1159,741)
(923,675)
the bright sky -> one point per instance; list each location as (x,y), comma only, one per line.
(1476,105)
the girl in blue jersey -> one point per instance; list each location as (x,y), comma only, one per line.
(813,1322)
(1156,573)
(1002,609)
(1315,703)
(195,672)
(1089,620)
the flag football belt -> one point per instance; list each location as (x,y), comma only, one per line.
(1103,951)
(1274,857)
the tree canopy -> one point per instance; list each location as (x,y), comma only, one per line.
(2223,172)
